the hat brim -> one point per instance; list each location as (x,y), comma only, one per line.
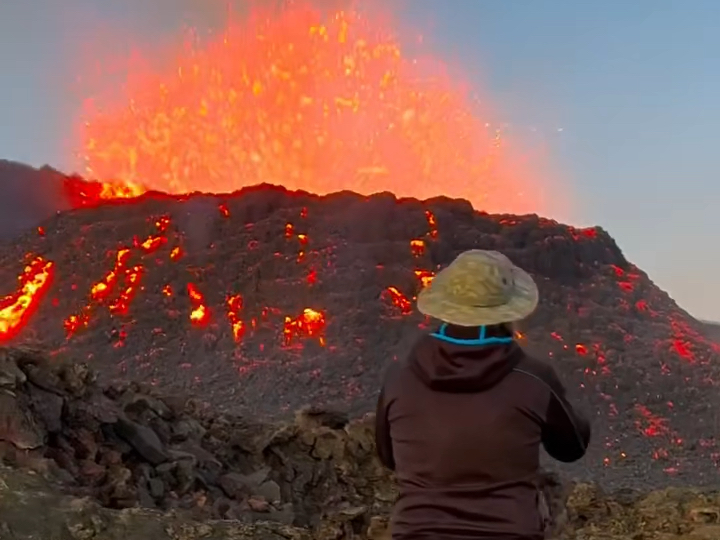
(434,303)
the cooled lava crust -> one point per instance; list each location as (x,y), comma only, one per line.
(263,301)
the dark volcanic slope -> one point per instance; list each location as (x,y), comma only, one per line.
(638,362)
(29,195)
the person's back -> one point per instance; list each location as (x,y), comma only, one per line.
(462,421)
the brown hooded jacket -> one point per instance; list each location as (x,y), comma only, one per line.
(462,426)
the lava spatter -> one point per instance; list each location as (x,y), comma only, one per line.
(200,313)
(309,324)
(234,308)
(311,99)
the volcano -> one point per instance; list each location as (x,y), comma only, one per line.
(265,300)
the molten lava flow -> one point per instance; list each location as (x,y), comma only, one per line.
(310,324)
(131,277)
(17,308)
(121,305)
(309,100)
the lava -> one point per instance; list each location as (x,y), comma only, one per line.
(308,99)
(399,300)
(200,314)
(121,305)
(17,308)
(310,324)
(417,247)
(131,277)
(234,307)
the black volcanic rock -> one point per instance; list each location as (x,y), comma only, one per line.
(638,363)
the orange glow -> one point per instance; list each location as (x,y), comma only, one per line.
(310,100)
(153,243)
(104,287)
(310,324)
(432,223)
(163,223)
(102,290)
(399,300)
(417,247)
(121,305)
(17,308)
(75,322)
(200,314)
(234,306)
(425,277)
(650,424)
(176,253)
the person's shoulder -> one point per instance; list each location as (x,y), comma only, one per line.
(542,371)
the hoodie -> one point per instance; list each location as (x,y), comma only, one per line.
(462,426)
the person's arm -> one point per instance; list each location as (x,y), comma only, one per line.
(383,441)
(566,433)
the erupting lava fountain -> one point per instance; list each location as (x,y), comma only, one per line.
(312,101)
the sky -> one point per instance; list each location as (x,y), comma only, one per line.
(624,95)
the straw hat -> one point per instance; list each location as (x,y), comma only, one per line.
(479,288)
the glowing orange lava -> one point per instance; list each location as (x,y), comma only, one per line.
(234,306)
(308,100)
(399,300)
(17,308)
(310,324)
(200,314)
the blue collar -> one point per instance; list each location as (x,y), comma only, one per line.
(480,341)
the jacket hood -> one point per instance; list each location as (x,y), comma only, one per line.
(447,367)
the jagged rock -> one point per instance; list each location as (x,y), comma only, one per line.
(137,403)
(48,406)
(17,426)
(186,429)
(10,374)
(143,439)
(310,480)
(23,498)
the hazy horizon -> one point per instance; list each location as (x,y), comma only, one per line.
(622,96)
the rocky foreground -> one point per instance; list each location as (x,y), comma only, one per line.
(124,462)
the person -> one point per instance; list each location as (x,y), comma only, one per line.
(461,421)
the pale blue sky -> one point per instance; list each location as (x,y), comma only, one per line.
(634,85)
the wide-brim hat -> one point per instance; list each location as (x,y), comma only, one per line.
(479,288)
